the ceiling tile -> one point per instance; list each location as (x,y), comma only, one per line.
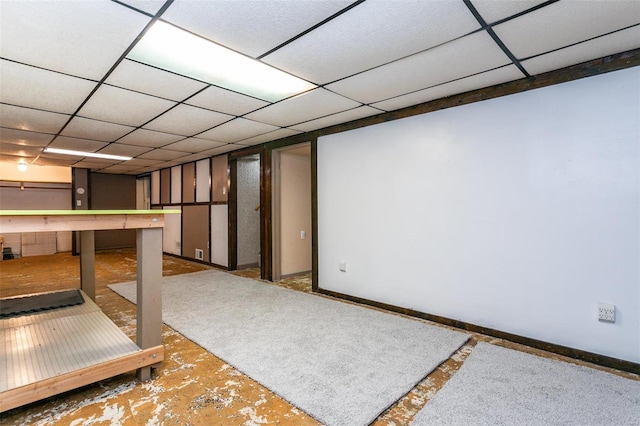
(222,149)
(36,88)
(89,35)
(485,79)
(31,119)
(93,129)
(19,150)
(93,163)
(193,145)
(268,137)
(22,137)
(373,33)
(150,138)
(44,160)
(120,168)
(460,58)
(153,81)
(236,130)
(187,120)
(122,106)
(620,41)
(314,104)
(550,28)
(149,6)
(252,27)
(193,157)
(63,142)
(125,150)
(162,154)
(341,117)
(141,162)
(226,101)
(493,11)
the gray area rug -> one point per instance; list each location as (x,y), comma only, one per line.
(342,364)
(499,386)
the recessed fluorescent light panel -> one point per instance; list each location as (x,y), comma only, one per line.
(86,154)
(173,49)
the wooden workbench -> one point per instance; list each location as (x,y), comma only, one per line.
(148,350)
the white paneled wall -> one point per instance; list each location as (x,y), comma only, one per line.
(219,235)
(173,238)
(176,184)
(171,233)
(520,213)
(203,179)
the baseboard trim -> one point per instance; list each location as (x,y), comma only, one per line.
(593,358)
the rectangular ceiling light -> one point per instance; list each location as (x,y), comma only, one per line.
(86,154)
(173,49)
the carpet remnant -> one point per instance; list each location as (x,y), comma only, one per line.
(24,305)
(500,386)
(343,364)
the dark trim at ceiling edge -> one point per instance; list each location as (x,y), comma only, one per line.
(593,358)
(616,62)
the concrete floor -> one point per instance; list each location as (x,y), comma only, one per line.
(192,386)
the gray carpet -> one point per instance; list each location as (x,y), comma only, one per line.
(499,386)
(340,363)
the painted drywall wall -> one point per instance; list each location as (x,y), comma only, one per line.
(519,213)
(248,181)
(35,196)
(34,173)
(295,213)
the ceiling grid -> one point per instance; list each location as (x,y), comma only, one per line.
(67,79)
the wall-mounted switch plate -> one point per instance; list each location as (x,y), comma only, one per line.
(342,266)
(303,235)
(606,312)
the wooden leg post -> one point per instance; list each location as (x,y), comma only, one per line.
(149,292)
(88,263)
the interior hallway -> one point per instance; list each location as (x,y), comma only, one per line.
(192,386)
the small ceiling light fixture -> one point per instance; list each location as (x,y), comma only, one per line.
(173,49)
(86,154)
(22,166)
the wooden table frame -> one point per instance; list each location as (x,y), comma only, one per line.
(148,225)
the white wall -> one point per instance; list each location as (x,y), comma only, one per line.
(36,196)
(172,232)
(295,213)
(220,234)
(519,213)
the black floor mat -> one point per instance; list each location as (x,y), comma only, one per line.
(16,306)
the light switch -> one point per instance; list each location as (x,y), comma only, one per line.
(303,235)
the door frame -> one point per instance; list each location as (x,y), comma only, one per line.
(265,208)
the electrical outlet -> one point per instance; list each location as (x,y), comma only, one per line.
(607,312)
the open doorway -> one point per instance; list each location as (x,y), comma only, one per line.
(291,211)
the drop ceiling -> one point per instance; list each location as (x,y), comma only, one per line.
(66,80)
